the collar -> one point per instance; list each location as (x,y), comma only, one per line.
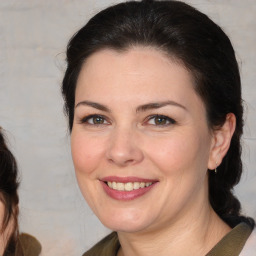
(232,243)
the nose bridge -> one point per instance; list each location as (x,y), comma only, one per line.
(124,148)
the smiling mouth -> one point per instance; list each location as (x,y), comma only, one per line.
(129,186)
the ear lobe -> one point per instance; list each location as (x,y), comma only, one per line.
(221,141)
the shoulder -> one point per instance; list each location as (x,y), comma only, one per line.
(108,246)
(250,245)
(30,245)
(233,243)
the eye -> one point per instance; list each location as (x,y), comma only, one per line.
(95,120)
(160,120)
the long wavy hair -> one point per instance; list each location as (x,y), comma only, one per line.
(191,37)
(9,198)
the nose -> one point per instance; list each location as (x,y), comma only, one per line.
(123,148)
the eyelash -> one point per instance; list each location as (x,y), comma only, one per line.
(87,118)
(170,121)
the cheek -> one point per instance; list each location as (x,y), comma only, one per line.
(179,154)
(86,153)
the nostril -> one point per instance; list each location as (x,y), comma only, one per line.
(121,162)
(130,161)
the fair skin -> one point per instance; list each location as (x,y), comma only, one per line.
(2,237)
(5,234)
(137,116)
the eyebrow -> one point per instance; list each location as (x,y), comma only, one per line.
(93,104)
(155,105)
(142,108)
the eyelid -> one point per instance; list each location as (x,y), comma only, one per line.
(85,119)
(169,119)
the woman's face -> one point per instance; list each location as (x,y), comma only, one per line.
(140,140)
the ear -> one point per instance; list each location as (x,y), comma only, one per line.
(221,141)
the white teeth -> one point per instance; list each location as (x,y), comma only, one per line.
(142,185)
(110,184)
(120,186)
(136,185)
(114,185)
(129,186)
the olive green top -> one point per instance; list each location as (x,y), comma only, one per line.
(26,245)
(230,245)
(30,245)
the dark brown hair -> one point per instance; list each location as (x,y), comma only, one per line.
(9,197)
(205,50)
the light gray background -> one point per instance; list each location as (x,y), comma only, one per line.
(33,37)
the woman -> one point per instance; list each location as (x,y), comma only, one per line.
(11,243)
(153,95)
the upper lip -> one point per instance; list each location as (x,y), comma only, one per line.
(126,179)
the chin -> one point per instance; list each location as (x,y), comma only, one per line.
(126,222)
(126,227)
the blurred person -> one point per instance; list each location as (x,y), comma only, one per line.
(11,242)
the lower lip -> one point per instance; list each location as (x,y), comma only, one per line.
(126,195)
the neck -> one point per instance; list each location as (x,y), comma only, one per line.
(194,234)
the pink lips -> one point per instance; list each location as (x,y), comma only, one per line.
(126,195)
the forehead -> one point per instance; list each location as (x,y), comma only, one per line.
(131,59)
(139,72)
